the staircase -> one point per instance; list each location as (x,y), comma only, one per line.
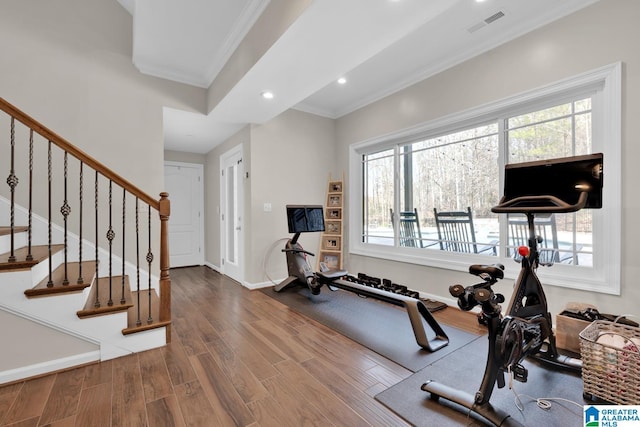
(77,244)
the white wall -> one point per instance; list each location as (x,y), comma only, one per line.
(288,160)
(178,156)
(68,64)
(45,344)
(599,35)
(291,159)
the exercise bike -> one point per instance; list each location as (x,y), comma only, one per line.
(526,329)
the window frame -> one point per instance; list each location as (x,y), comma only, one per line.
(604,85)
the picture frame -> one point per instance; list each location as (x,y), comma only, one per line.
(334,213)
(334,200)
(330,260)
(335,187)
(332,243)
(333,227)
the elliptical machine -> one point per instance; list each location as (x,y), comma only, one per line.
(554,186)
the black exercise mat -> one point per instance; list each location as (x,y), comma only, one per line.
(379,326)
(464,369)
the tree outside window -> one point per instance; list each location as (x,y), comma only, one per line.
(461,169)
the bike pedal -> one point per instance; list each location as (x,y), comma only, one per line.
(520,373)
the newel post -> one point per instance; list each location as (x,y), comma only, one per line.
(164,209)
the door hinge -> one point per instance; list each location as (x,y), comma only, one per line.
(222,261)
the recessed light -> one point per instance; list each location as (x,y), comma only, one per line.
(342,80)
(267,94)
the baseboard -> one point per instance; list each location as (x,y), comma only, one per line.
(246,284)
(48,367)
(260,285)
(213,267)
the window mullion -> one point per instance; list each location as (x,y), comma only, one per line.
(503,156)
(396,195)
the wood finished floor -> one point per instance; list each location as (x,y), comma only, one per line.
(237,358)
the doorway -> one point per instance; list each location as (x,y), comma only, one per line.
(183,182)
(231,214)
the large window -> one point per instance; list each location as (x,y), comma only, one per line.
(559,131)
(449,172)
(426,197)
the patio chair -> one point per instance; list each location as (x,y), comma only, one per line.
(456,232)
(546,229)
(409,231)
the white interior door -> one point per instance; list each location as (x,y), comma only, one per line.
(183,182)
(231,214)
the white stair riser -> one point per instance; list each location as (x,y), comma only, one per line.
(59,311)
(19,240)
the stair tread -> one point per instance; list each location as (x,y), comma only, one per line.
(5,229)
(38,252)
(57,277)
(132,313)
(101,285)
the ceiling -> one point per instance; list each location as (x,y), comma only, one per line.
(379,46)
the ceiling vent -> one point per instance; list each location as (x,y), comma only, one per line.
(493,18)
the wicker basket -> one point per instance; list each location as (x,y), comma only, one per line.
(609,372)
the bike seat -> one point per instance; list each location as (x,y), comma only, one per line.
(494,271)
(331,274)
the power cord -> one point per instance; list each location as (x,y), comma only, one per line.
(541,402)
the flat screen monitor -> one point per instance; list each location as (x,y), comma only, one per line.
(305,218)
(564,178)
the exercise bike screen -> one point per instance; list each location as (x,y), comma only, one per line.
(305,219)
(564,178)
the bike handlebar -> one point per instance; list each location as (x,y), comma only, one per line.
(298,251)
(540,204)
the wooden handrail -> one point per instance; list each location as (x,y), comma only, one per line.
(65,145)
(162,205)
